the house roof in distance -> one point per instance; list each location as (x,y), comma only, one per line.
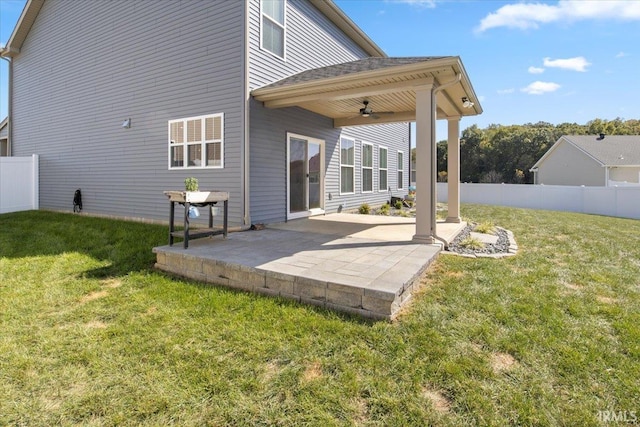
(608,150)
(612,150)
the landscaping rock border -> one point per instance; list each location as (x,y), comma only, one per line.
(504,246)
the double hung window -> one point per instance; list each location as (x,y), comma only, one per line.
(400,170)
(272,26)
(196,142)
(382,169)
(347,166)
(367,167)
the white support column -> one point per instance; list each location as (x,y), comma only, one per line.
(425,165)
(453,169)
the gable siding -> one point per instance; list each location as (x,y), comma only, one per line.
(566,165)
(87,66)
(312,41)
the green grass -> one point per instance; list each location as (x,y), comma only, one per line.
(91,335)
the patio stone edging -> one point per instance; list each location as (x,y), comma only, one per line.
(376,304)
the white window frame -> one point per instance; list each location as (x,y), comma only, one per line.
(203,143)
(381,169)
(281,25)
(363,168)
(400,169)
(346,165)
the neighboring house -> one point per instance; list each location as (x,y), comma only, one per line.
(4,137)
(590,160)
(263,99)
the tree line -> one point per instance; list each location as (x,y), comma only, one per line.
(501,153)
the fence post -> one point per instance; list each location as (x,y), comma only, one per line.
(35,184)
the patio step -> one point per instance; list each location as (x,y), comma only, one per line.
(380,299)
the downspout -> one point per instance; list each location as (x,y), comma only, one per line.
(9,102)
(246,217)
(434,160)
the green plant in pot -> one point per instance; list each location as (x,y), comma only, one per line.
(191,184)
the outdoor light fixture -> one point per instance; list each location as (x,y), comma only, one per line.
(126,124)
(466,103)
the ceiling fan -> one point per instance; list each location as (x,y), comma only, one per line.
(366,111)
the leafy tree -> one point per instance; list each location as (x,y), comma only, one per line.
(501,153)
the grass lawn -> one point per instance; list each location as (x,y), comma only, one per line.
(91,335)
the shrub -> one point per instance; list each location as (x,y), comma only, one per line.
(471,243)
(364,209)
(485,227)
(191,184)
(398,204)
(384,209)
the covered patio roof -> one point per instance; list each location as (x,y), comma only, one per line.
(388,84)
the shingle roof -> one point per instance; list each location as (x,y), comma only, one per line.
(613,150)
(353,67)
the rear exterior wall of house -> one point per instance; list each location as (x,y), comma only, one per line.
(88,66)
(312,41)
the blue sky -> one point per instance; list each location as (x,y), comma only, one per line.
(529,61)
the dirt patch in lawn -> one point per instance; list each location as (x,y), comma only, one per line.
(438,399)
(93,296)
(501,362)
(313,372)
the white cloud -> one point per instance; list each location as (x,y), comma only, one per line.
(579,63)
(621,54)
(531,15)
(505,91)
(539,88)
(536,70)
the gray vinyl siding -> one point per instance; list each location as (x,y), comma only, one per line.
(312,41)
(87,66)
(4,132)
(395,137)
(268,153)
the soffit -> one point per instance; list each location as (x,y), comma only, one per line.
(389,84)
(22,28)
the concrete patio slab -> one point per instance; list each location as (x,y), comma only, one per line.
(360,264)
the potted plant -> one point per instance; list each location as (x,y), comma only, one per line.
(191,184)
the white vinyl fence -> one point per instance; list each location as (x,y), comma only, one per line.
(621,201)
(19,178)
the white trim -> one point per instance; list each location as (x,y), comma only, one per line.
(203,142)
(352,166)
(399,168)
(284,31)
(386,169)
(309,212)
(362,168)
